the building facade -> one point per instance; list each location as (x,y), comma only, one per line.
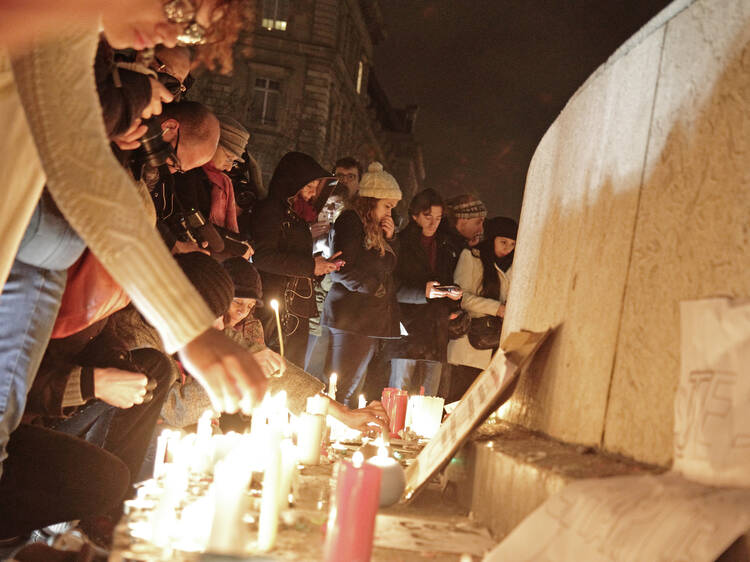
(303,80)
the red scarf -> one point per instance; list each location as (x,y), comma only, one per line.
(304,209)
(223,207)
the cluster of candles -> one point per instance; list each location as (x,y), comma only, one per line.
(201,497)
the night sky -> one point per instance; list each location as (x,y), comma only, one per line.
(490,76)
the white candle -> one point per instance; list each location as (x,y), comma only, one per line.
(231,479)
(268,521)
(275,306)
(426,415)
(288,468)
(309,436)
(362,401)
(317,405)
(332,382)
(392,477)
(162,450)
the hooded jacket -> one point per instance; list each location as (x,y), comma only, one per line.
(283,243)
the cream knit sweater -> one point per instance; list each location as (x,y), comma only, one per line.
(56,91)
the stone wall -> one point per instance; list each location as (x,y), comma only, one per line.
(637,197)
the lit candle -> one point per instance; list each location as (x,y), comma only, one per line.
(275,306)
(231,480)
(426,415)
(268,520)
(392,477)
(288,469)
(332,381)
(354,505)
(362,401)
(163,454)
(309,437)
(399,400)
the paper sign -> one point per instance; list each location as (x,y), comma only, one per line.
(515,354)
(630,518)
(712,405)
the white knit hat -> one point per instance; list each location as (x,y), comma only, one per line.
(379,184)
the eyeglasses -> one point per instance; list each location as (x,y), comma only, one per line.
(170,82)
(347,177)
(184,11)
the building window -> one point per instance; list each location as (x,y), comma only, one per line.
(275,14)
(360,75)
(265,100)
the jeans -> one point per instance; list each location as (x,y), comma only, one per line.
(29,303)
(411,374)
(124,432)
(317,354)
(350,355)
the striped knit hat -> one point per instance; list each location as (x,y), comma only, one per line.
(469,210)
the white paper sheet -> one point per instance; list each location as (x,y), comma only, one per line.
(630,519)
(684,514)
(712,405)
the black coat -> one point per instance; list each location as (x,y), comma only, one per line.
(283,243)
(362,298)
(425,321)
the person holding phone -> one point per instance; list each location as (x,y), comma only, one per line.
(361,307)
(426,295)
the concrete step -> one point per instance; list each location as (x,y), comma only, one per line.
(505,472)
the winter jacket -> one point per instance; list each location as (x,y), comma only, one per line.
(283,243)
(362,298)
(426,322)
(468,276)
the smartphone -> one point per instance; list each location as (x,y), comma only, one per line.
(449,288)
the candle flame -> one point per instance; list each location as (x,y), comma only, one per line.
(382,453)
(274,304)
(333,378)
(357,459)
(362,401)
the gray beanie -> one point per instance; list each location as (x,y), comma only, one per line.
(379,184)
(234,136)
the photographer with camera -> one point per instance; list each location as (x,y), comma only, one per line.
(209,190)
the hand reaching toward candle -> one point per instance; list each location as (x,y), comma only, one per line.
(272,364)
(361,419)
(226,370)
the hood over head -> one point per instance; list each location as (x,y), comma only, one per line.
(293,172)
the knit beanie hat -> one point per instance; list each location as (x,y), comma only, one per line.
(379,184)
(210,279)
(469,210)
(500,226)
(246,279)
(234,136)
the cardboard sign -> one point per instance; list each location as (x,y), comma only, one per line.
(516,352)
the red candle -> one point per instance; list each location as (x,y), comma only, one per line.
(385,398)
(351,521)
(399,401)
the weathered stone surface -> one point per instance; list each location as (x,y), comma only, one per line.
(692,237)
(637,197)
(574,245)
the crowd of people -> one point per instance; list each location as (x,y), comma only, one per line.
(138,263)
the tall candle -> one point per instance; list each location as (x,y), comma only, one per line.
(166,437)
(268,521)
(275,306)
(231,480)
(351,520)
(288,469)
(399,401)
(332,382)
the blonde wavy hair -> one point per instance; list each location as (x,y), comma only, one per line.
(374,237)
